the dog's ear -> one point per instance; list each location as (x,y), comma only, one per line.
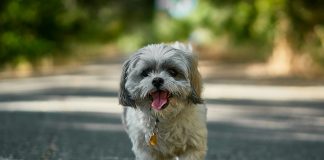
(195,80)
(124,96)
(194,75)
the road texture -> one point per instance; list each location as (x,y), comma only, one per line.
(76,116)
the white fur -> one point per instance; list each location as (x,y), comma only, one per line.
(182,131)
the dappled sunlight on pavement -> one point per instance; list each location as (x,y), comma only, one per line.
(79,114)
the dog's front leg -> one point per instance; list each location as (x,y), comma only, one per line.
(143,153)
(144,156)
(193,155)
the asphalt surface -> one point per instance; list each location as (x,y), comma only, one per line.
(76,116)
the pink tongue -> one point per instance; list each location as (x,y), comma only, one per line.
(160,98)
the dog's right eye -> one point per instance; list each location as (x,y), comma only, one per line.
(145,73)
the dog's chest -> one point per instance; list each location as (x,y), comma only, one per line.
(175,138)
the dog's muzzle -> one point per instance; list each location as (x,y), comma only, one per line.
(160,98)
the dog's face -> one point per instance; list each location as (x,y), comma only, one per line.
(162,77)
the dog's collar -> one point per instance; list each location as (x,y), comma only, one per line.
(153,138)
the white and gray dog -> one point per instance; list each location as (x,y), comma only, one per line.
(164,114)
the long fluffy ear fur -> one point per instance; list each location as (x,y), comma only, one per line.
(124,97)
(194,75)
(195,81)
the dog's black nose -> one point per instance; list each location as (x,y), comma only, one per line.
(158,82)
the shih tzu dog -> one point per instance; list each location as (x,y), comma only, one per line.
(164,114)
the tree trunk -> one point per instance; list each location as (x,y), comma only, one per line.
(280,62)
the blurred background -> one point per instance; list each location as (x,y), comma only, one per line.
(262,62)
(283,37)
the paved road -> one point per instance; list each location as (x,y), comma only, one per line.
(75,116)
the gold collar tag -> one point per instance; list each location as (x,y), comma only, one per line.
(153,140)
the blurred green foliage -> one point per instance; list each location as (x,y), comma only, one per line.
(33,29)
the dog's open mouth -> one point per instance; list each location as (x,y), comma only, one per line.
(160,99)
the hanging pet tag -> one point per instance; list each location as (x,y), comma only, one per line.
(153,140)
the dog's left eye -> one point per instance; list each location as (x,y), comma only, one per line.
(172,72)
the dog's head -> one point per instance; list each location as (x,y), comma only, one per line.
(160,76)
